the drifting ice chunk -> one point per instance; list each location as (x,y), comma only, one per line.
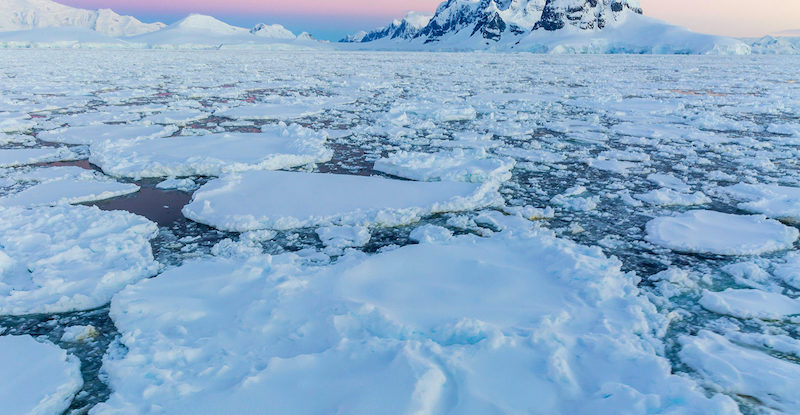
(781,202)
(177,117)
(556,328)
(669,197)
(708,232)
(285,200)
(339,237)
(25,156)
(750,304)
(67,258)
(211,155)
(38,378)
(789,271)
(745,372)
(458,166)
(65,185)
(15,122)
(281,111)
(91,134)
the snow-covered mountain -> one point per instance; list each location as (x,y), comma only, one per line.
(405,28)
(551,26)
(16,15)
(769,45)
(205,32)
(274,31)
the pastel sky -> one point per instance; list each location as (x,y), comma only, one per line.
(332,19)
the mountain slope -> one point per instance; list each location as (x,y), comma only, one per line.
(552,26)
(406,28)
(18,15)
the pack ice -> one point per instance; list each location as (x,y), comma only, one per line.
(516,323)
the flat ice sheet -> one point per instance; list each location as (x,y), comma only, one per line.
(66,258)
(514,323)
(285,200)
(709,232)
(97,133)
(38,378)
(25,156)
(781,202)
(751,303)
(211,155)
(63,186)
(456,165)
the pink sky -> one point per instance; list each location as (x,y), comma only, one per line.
(725,17)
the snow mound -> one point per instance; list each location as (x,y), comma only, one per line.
(709,232)
(67,258)
(513,324)
(285,200)
(40,378)
(212,155)
(274,31)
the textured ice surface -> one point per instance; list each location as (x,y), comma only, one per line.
(66,258)
(52,186)
(677,126)
(458,165)
(38,378)
(211,155)
(285,200)
(25,156)
(470,325)
(709,232)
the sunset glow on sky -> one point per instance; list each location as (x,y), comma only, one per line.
(332,19)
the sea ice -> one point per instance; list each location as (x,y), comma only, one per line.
(743,371)
(64,185)
(24,156)
(67,258)
(751,303)
(457,165)
(98,133)
(38,378)
(709,232)
(780,202)
(211,155)
(285,200)
(669,197)
(515,323)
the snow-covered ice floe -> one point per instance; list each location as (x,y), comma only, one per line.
(285,200)
(709,232)
(25,156)
(775,201)
(457,165)
(90,134)
(283,109)
(38,378)
(516,323)
(62,186)
(277,147)
(751,303)
(67,258)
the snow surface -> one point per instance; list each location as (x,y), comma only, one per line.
(285,200)
(457,165)
(67,258)
(25,156)
(508,324)
(62,186)
(709,232)
(274,148)
(780,202)
(751,304)
(39,378)
(16,15)
(91,134)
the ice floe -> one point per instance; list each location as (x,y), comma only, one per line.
(751,303)
(66,258)
(709,232)
(284,200)
(39,378)
(25,156)
(775,201)
(63,185)
(742,371)
(212,155)
(512,323)
(97,133)
(457,165)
